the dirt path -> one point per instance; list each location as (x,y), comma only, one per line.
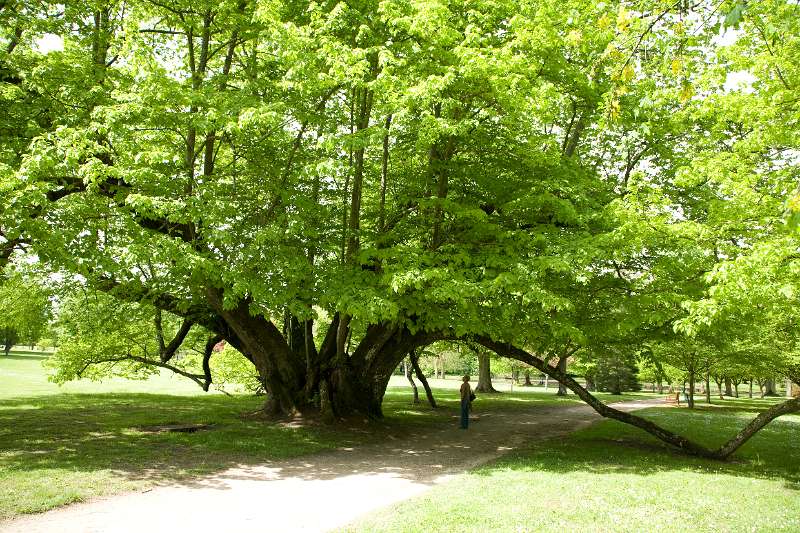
(340,485)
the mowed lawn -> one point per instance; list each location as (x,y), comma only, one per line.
(61,444)
(611,477)
(64,444)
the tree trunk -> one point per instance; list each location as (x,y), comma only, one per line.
(484,374)
(298,377)
(769,385)
(728,388)
(421,377)
(691,387)
(736,383)
(751,387)
(562,367)
(708,388)
(718,381)
(590,385)
(546,382)
(527,379)
(407,372)
(9,338)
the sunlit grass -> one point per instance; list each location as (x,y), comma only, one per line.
(611,477)
(60,444)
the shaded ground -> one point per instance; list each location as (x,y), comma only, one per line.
(318,492)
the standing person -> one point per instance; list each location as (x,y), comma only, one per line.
(466,399)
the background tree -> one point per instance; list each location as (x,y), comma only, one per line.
(26,310)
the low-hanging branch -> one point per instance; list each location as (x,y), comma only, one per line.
(167,351)
(679,441)
(203,380)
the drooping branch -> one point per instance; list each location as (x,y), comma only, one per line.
(667,436)
(110,188)
(166,352)
(136,291)
(207,351)
(755,425)
(688,446)
(200,379)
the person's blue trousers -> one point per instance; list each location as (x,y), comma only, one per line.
(464,414)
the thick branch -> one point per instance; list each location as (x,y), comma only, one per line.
(169,351)
(208,350)
(755,425)
(721,453)
(665,435)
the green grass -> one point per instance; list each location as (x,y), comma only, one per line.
(84,439)
(611,477)
(60,444)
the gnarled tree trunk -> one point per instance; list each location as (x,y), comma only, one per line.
(299,377)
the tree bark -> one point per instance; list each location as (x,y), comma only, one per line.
(769,385)
(789,406)
(708,389)
(9,338)
(384,175)
(691,387)
(484,374)
(728,387)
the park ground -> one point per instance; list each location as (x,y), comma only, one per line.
(84,441)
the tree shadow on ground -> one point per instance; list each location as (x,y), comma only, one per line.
(91,432)
(85,432)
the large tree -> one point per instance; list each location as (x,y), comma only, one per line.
(330,186)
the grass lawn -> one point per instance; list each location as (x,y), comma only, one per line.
(60,444)
(64,444)
(611,477)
